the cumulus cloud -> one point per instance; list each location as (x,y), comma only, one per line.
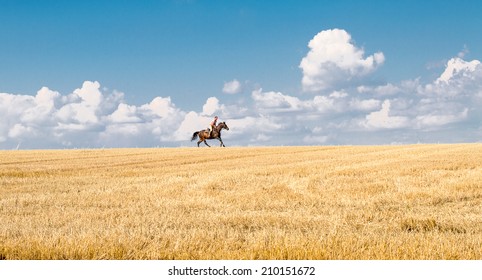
(334,60)
(457,67)
(150,124)
(191,122)
(276,101)
(364,104)
(380,90)
(125,114)
(433,121)
(162,107)
(42,106)
(446,109)
(87,117)
(258,129)
(441,110)
(383,119)
(232,87)
(83,105)
(92,117)
(211,106)
(404,112)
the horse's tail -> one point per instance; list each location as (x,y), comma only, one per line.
(194,136)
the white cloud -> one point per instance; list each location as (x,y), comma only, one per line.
(364,105)
(232,87)
(162,107)
(83,105)
(211,106)
(442,109)
(90,93)
(382,90)
(87,117)
(338,94)
(41,108)
(19,130)
(446,109)
(322,103)
(276,101)
(384,120)
(457,67)
(191,123)
(91,117)
(433,121)
(334,60)
(253,130)
(125,114)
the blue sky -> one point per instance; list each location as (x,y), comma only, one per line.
(180,54)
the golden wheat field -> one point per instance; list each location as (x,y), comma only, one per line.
(348,202)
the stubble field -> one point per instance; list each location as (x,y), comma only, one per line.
(351,202)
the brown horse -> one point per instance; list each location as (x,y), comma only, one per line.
(215,134)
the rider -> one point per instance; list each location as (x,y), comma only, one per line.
(212,125)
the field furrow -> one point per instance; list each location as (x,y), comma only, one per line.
(347,202)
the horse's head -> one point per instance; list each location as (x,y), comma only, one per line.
(224,125)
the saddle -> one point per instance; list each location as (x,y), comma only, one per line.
(209,133)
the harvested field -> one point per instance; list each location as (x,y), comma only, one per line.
(348,202)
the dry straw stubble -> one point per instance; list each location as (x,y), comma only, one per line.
(364,202)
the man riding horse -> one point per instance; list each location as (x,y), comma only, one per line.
(212,125)
(213,132)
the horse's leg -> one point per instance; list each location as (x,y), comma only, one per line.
(206,143)
(201,138)
(221,140)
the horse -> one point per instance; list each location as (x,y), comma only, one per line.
(215,134)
